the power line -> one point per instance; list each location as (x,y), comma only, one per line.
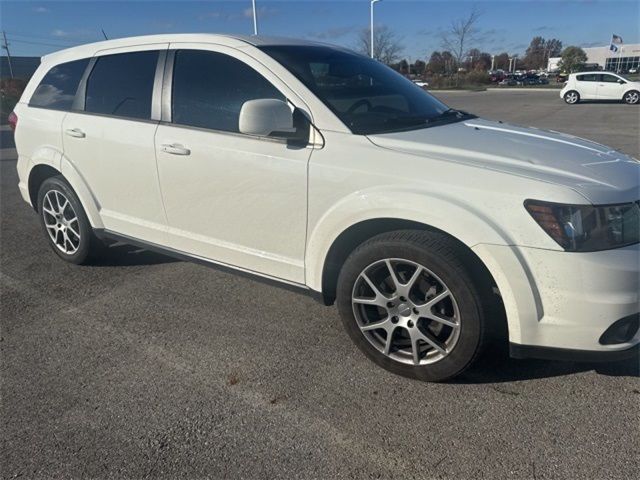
(37,37)
(42,43)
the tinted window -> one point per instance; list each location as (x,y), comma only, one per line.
(209,89)
(366,95)
(588,78)
(58,87)
(122,85)
(609,78)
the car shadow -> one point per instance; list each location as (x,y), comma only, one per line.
(499,368)
(123,255)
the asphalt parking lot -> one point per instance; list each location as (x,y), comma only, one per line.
(146,367)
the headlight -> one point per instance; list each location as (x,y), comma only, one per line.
(588,228)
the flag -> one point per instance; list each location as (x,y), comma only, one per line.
(616,39)
(613,48)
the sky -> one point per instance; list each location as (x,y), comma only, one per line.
(35,28)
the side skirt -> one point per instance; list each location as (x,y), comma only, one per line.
(104,234)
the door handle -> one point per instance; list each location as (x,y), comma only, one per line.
(75,132)
(175,149)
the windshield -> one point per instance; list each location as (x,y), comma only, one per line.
(366,95)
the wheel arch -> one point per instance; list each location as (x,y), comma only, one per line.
(42,169)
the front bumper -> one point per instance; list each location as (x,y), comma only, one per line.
(563,300)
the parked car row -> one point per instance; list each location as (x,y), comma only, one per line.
(523,79)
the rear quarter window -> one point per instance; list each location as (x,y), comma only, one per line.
(58,87)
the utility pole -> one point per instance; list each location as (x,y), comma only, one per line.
(255,17)
(5,46)
(371,27)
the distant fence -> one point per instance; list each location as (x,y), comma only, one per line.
(23,67)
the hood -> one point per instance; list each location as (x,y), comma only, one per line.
(599,173)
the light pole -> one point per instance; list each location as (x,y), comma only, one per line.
(493,62)
(255,17)
(371,27)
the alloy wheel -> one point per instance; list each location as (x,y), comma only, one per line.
(406,311)
(571,97)
(61,222)
(632,98)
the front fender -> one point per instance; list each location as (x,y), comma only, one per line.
(448,214)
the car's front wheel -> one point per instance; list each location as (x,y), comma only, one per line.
(412,305)
(572,97)
(632,97)
(65,223)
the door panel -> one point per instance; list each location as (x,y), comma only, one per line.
(229,197)
(609,88)
(116,158)
(236,199)
(111,142)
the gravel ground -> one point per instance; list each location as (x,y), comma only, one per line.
(145,367)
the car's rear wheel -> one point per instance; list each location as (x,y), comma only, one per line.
(65,223)
(632,97)
(572,97)
(410,303)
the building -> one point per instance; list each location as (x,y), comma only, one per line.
(23,67)
(605,59)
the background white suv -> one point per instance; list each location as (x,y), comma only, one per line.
(436,232)
(599,86)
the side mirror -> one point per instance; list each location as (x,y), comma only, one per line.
(267,117)
(621,82)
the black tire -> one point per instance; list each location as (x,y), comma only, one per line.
(570,96)
(88,246)
(632,97)
(451,264)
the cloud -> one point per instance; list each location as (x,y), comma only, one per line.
(40,10)
(544,28)
(74,34)
(333,33)
(263,12)
(210,15)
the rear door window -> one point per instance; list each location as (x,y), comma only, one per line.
(122,85)
(591,77)
(58,87)
(209,89)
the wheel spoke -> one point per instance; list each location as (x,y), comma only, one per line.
(73,231)
(437,299)
(442,320)
(384,324)
(431,341)
(389,340)
(413,278)
(394,278)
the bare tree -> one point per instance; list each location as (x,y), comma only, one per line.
(386,44)
(461,32)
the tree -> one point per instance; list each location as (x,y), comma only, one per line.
(419,67)
(535,55)
(553,47)
(436,63)
(573,59)
(540,50)
(501,61)
(484,62)
(386,45)
(461,32)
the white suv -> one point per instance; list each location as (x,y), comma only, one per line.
(599,86)
(435,231)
